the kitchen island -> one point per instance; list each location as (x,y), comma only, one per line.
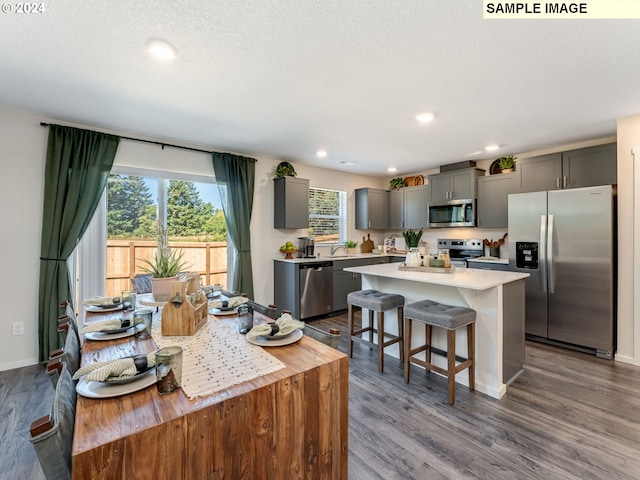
(496,296)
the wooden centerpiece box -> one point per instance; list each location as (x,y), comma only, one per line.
(179,315)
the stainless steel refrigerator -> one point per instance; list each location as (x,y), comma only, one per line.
(566,241)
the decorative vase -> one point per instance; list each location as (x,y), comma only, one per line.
(413,258)
(351,251)
(507,170)
(161,288)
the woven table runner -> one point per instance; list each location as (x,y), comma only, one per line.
(217,357)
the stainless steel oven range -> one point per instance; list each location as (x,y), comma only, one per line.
(460,250)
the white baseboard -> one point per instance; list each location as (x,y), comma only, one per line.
(626,359)
(25,362)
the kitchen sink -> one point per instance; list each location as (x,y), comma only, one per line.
(339,256)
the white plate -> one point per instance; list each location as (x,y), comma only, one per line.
(217,312)
(96,308)
(289,339)
(105,390)
(108,336)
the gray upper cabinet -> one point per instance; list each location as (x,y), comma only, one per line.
(587,167)
(372,206)
(541,173)
(583,167)
(454,185)
(396,209)
(291,202)
(415,206)
(493,198)
(408,207)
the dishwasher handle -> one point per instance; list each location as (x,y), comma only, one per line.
(316,265)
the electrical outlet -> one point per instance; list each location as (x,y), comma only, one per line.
(18,328)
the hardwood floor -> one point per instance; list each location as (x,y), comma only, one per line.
(568,416)
(25,395)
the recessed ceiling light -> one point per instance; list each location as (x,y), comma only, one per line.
(425,117)
(160,49)
(492,148)
(392,169)
(321,153)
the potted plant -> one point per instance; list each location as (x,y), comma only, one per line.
(285,169)
(164,267)
(506,163)
(350,246)
(412,238)
(396,183)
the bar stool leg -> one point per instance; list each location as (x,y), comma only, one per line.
(427,336)
(407,349)
(471,354)
(451,365)
(401,332)
(351,328)
(370,326)
(381,342)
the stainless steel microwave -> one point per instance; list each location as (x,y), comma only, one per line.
(452,213)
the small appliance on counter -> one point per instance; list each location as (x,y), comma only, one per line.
(306,247)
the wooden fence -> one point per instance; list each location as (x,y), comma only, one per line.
(209,259)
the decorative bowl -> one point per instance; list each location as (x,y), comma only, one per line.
(288,254)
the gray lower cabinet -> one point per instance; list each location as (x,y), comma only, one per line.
(493,198)
(286,287)
(346,282)
(372,206)
(287,283)
(291,202)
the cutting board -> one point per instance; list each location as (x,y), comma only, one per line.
(367,245)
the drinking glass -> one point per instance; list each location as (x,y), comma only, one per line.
(168,369)
(129,296)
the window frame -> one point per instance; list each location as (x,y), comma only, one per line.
(341,216)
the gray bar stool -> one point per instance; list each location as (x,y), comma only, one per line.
(434,314)
(378,302)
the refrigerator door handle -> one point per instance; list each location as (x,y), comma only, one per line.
(542,252)
(550,253)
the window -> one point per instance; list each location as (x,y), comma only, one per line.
(190,210)
(327,215)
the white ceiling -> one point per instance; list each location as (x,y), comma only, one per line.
(284,78)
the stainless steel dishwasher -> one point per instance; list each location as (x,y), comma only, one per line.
(316,288)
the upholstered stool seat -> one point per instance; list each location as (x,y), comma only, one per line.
(378,302)
(434,314)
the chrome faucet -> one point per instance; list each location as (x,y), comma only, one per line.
(335,248)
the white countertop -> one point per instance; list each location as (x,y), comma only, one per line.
(327,258)
(470,278)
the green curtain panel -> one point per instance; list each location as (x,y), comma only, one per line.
(235,176)
(77,168)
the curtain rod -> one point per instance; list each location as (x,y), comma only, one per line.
(162,144)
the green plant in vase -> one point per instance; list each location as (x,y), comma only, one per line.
(164,267)
(412,237)
(350,246)
(506,163)
(396,183)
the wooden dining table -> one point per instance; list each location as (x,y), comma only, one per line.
(289,424)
